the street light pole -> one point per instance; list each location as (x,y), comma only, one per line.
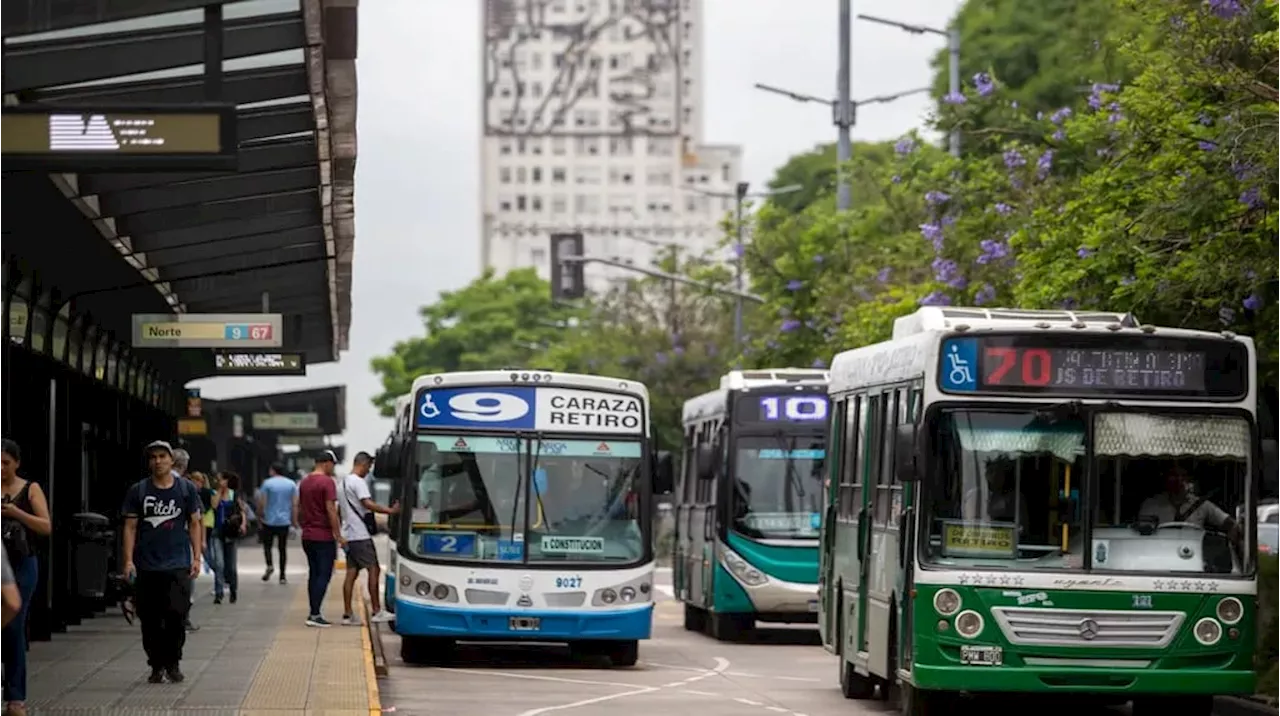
(953,63)
(843,114)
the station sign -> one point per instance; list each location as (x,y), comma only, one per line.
(120,138)
(286,421)
(259,363)
(207,330)
(306,442)
(193,426)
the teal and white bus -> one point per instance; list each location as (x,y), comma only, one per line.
(749,501)
(527,499)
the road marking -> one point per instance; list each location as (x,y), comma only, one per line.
(776,709)
(534,677)
(666,589)
(748,702)
(695,692)
(740,674)
(722,665)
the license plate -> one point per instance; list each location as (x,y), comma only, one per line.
(813,606)
(525,623)
(981,655)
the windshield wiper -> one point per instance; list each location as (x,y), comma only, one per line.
(533,465)
(1054,414)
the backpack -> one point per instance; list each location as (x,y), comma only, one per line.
(235,518)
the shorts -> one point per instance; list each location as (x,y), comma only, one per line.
(362,554)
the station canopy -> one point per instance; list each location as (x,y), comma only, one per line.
(210,242)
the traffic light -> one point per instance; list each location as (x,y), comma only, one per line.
(567,276)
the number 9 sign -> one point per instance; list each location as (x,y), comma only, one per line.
(488,407)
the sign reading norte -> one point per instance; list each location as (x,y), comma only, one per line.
(208,330)
(531,408)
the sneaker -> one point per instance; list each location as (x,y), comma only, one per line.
(157,676)
(267,577)
(233,596)
(217,600)
(315,620)
(189,626)
(174,674)
(283,580)
(382,616)
(350,620)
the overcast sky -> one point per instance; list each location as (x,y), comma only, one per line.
(417,184)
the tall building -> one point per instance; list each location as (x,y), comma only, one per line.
(593,122)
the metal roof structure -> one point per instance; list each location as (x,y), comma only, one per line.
(214,242)
(329,403)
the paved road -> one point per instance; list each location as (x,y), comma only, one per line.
(783,671)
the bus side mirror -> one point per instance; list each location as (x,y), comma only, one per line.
(664,473)
(706,462)
(904,453)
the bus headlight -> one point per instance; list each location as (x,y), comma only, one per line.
(441,591)
(423,589)
(1208,631)
(739,567)
(406,580)
(627,593)
(1230,610)
(969,624)
(608,596)
(946,602)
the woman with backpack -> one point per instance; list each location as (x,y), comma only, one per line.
(25,514)
(229,525)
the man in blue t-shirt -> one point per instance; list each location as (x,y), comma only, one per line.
(163,536)
(278,505)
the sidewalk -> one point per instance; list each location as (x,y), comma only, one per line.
(253,657)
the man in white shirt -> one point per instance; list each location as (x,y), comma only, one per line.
(358,528)
(1178,504)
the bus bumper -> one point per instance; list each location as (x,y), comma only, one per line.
(415,619)
(1096,681)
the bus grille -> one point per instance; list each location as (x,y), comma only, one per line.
(565,599)
(1087,627)
(486,596)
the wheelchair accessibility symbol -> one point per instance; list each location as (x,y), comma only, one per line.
(958,369)
(429,409)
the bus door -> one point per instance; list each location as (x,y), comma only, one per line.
(826,550)
(869,452)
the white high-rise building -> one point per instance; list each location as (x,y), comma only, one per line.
(593,122)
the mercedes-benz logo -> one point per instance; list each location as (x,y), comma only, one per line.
(1088,630)
(526,582)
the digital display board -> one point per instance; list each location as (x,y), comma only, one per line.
(782,408)
(249,363)
(120,137)
(1084,364)
(207,330)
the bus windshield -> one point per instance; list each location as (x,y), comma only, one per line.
(778,486)
(469,502)
(1006,491)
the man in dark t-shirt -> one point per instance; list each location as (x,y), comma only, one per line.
(163,536)
(321,532)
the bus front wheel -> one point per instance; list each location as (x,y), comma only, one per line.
(918,702)
(695,619)
(624,653)
(425,649)
(854,685)
(1190,705)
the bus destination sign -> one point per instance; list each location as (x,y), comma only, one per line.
(1032,364)
(254,363)
(795,408)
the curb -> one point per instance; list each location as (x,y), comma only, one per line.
(370,672)
(1238,706)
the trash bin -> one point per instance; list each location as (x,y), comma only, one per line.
(92,543)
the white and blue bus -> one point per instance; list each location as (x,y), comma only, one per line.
(527,499)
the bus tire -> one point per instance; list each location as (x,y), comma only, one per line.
(623,654)
(425,650)
(1189,705)
(919,702)
(695,619)
(854,685)
(729,627)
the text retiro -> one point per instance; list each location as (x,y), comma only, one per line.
(603,411)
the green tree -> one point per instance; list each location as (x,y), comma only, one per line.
(673,338)
(491,323)
(815,172)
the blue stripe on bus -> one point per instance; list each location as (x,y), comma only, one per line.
(414,619)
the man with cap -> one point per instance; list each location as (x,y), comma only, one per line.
(163,536)
(321,532)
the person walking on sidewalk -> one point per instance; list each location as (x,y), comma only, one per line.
(278,506)
(181,463)
(359,526)
(321,532)
(229,525)
(163,540)
(25,518)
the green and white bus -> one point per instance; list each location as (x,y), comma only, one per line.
(1042,502)
(749,501)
